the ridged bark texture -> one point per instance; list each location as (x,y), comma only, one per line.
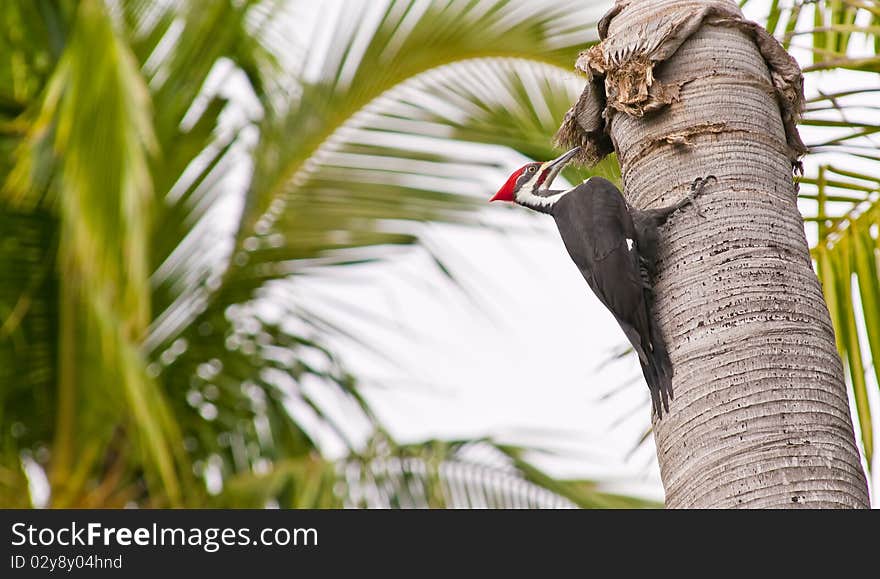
(760,417)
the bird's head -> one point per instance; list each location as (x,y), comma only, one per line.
(532,180)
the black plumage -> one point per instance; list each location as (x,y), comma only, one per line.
(614,245)
(598,230)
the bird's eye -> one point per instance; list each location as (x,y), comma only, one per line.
(532,169)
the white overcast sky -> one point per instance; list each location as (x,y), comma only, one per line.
(517,355)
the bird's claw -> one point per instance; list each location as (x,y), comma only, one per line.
(700,182)
(696,190)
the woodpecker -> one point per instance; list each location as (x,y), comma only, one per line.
(614,245)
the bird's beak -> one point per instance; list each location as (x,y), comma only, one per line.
(556,165)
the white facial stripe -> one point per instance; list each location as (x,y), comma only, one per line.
(526,197)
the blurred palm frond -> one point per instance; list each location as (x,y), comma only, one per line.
(168,169)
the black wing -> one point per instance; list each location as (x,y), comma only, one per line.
(598,233)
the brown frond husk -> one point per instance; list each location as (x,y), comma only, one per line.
(625,65)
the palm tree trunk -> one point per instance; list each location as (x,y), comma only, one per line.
(761,416)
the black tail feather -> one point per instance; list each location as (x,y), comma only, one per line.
(653,387)
(658,373)
(663,364)
(660,387)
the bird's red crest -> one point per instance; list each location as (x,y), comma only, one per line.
(506,191)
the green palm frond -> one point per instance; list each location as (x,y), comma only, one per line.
(835,29)
(355,73)
(847,262)
(128,131)
(91,129)
(324,195)
(429,474)
(302,482)
(380,166)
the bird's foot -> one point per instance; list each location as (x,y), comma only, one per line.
(696,190)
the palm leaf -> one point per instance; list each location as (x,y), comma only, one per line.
(96,106)
(186,351)
(847,254)
(466,474)
(349,200)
